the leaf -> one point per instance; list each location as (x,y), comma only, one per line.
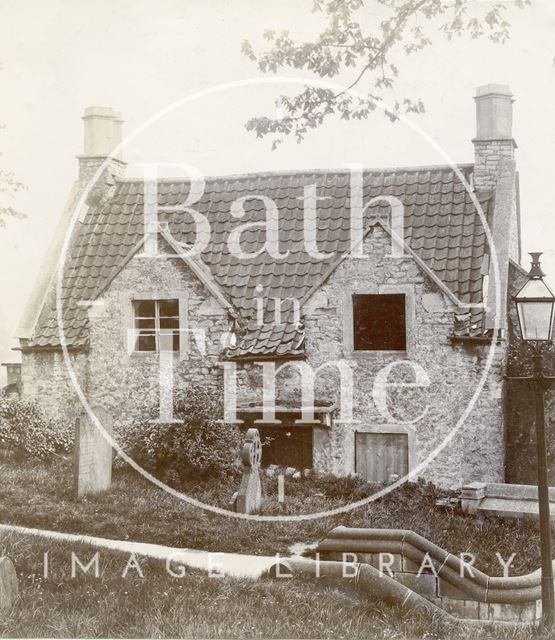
(363,51)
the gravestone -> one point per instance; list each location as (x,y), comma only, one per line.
(8,584)
(281,488)
(503,500)
(250,494)
(92,454)
(271,470)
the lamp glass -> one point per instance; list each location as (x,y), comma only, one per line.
(535,305)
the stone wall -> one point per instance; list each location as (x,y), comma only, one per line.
(44,377)
(127,384)
(476,448)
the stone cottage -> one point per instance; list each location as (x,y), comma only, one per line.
(397,331)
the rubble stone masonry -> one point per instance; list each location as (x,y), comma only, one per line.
(126,384)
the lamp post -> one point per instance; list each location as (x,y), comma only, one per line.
(535,304)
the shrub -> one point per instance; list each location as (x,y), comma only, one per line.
(197,443)
(25,428)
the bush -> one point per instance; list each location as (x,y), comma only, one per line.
(197,443)
(25,428)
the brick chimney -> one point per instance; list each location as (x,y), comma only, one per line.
(102,134)
(494,137)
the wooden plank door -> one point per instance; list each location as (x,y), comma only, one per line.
(378,456)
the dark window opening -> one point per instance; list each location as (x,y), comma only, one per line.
(286,447)
(156,324)
(379,322)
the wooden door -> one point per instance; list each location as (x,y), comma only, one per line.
(378,456)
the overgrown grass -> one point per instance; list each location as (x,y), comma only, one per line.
(37,494)
(197,606)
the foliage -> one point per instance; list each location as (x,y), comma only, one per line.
(9,186)
(198,442)
(25,428)
(349,45)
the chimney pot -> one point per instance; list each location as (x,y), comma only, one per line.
(103,132)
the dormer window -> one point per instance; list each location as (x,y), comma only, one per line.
(379,322)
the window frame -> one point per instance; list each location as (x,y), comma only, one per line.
(410,321)
(131,329)
(157,328)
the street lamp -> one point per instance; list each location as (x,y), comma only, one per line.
(535,304)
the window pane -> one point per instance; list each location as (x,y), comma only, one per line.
(379,322)
(144,323)
(169,323)
(176,341)
(169,308)
(535,320)
(145,342)
(144,308)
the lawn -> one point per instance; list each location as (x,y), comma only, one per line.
(196,606)
(38,494)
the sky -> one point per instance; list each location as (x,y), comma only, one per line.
(60,56)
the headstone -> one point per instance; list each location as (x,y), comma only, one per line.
(281,488)
(92,454)
(249,496)
(471,495)
(8,584)
(503,500)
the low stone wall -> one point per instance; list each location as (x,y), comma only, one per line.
(437,575)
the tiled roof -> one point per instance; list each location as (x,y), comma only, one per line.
(441,226)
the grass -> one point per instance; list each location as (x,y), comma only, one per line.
(197,606)
(40,495)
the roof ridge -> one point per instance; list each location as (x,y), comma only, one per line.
(295,172)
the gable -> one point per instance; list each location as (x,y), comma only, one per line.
(441,227)
(331,313)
